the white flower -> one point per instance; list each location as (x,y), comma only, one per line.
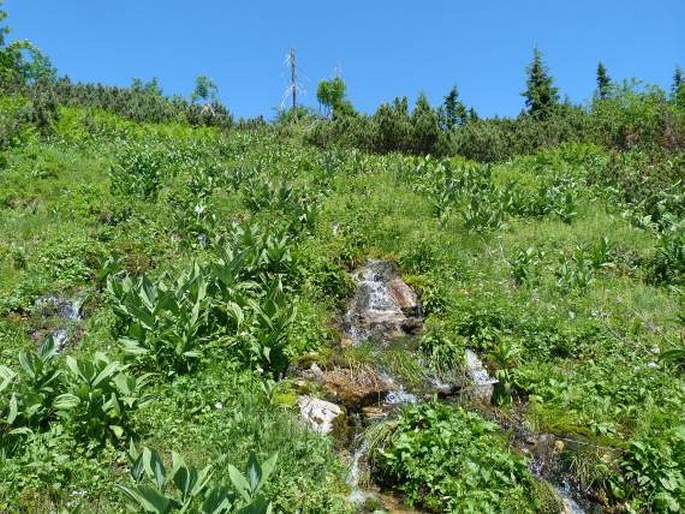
(218,405)
(199,209)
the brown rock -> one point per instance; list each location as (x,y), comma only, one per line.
(403,295)
(360,386)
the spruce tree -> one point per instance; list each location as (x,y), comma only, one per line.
(677,80)
(603,81)
(678,88)
(454,109)
(541,95)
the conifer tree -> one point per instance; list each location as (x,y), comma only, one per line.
(541,95)
(426,127)
(454,110)
(677,79)
(603,81)
(678,88)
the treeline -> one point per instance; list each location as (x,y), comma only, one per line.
(621,116)
(26,72)
(146,102)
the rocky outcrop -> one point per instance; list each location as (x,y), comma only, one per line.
(354,387)
(320,414)
(384,306)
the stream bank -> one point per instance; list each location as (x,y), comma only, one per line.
(347,399)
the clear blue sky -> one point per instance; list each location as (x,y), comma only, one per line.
(383,49)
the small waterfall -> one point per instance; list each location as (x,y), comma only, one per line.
(570,505)
(482,384)
(399,397)
(357,495)
(384,307)
(67,308)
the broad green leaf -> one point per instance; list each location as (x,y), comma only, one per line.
(29,364)
(181,475)
(201,480)
(148,498)
(217,501)
(154,466)
(21,431)
(239,482)
(13,410)
(106,373)
(268,467)
(6,377)
(253,472)
(66,401)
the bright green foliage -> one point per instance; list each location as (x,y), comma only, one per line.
(166,321)
(101,398)
(27,400)
(525,265)
(541,95)
(41,382)
(21,63)
(448,460)
(139,172)
(183,488)
(653,468)
(228,255)
(443,352)
(239,296)
(205,90)
(331,95)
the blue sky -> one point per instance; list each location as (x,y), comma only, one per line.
(382,48)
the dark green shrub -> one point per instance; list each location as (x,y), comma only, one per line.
(446,459)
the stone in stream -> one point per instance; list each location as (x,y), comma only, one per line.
(358,386)
(53,305)
(482,385)
(60,337)
(320,414)
(384,306)
(55,311)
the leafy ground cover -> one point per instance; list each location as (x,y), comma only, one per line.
(205,262)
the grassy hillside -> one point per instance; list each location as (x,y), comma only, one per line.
(208,263)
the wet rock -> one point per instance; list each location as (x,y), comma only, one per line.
(443,389)
(384,307)
(53,305)
(569,505)
(314,372)
(357,387)
(60,337)
(544,448)
(399,397)
(481,385)
(61,317)
(320,414)
(404,296)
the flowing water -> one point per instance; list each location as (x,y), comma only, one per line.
(383,310)
(570,505)
(65,312)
